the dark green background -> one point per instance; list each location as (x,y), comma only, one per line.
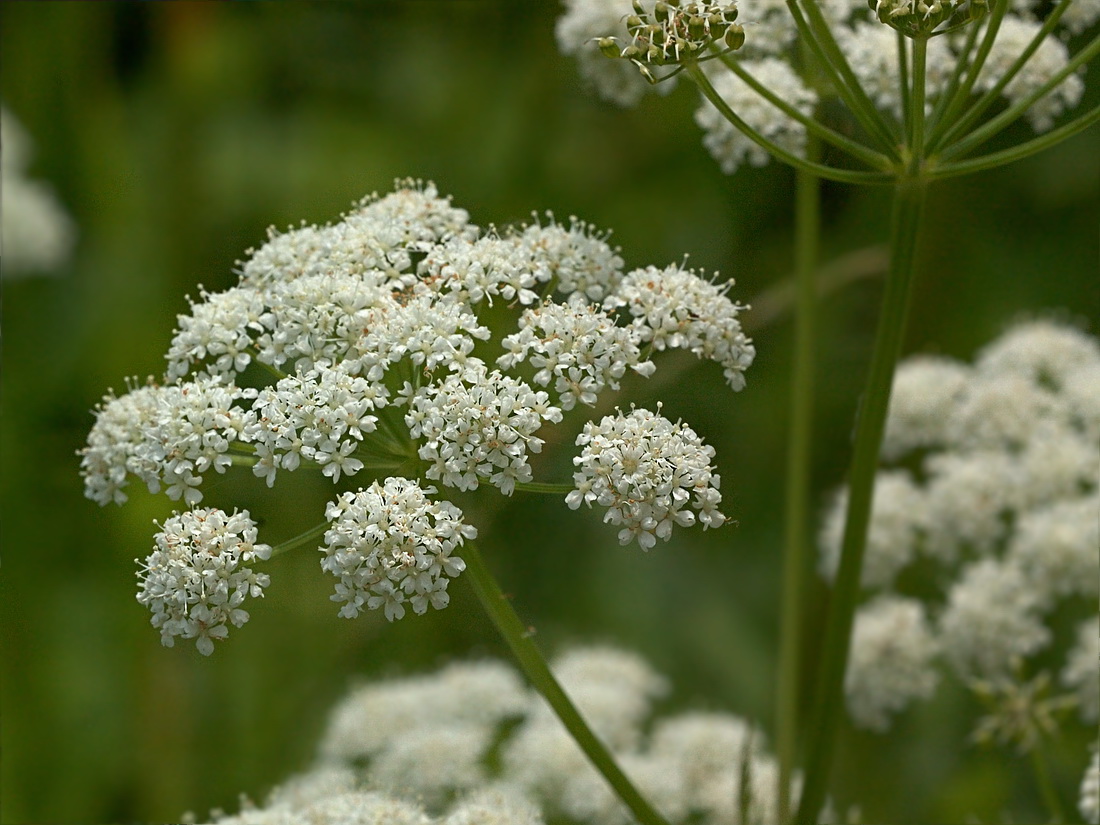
(175,133)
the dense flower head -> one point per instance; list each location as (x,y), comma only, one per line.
(390,545)
(674,308)
(469,745)
(646,470)
(1089,796)
(404,342)
(991,479)
(197,578)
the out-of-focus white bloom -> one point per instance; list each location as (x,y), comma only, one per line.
(674,308)
(577,30)
(1080,15)
(892,660)
(196,579)
(1089,798)
(577,347)
(37,235)
(897,516)
(1082,670)
(926,389)
(729,146)
(1014,35)
(990,619)
(1057,549)
(430,763)
(646,470)
(390,545)
(1001,410)
(479,426)
(967,499)
(1042,350)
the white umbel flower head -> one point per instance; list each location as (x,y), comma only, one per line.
(477,426)
(197,578)
(577,348)
(926,389)
(646,470)
(109,456)
(892,660)
(390,545)
(676,309)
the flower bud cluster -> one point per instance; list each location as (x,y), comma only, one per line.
(646,470)
(197,578)
(675,31)
(917,18)
(390,545)
(993,480)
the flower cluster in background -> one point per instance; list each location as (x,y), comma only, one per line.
(38,234)
(471,744)
(771,54)
(363,348)
(983,537)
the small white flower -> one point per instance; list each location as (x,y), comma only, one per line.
(390,545)
(676,309)
(1089,798)
(478,426)
(576,347)
(646,470)
(196,579)
(578,258)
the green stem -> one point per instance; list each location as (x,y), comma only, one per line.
(1046,786)
(518,637)
(1006,118)
(815,29)
(301,539)
(962,91)
(916,115)
(947,94)
(544,487)
(953,130)
(1023,150)
(909,196)
(807,243)
(815,128)
(827,172)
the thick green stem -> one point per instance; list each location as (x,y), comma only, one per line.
(807,237)
(909,196)
(518,637)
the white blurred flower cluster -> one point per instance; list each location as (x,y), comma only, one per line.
(771,54)
(362,348)
(471,744)
(984,524)
(37,234)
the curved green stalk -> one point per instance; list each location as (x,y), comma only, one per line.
(952,130)
(545,487)
(518,637)
(909,199)
(951,88)
(1046,786)
(815,29)
(314,532)
(962,91)
(1023,150)
(1006,118)
(876,160)
(821,170)
(807,243)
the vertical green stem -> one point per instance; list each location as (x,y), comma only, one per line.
(518,637)
(1046,786)
(909,195)
(807,241)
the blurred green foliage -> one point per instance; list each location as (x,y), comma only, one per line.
(175,133)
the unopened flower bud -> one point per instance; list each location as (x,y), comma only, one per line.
(608,46)
(735,37)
